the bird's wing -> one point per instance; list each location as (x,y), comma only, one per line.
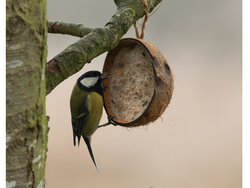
(78,122)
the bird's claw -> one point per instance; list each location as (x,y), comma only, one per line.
(110,121)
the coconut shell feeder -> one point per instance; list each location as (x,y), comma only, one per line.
(140,83)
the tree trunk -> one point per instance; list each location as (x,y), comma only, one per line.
(26,123)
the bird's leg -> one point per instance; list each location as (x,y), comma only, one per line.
(109,122)
(102,77)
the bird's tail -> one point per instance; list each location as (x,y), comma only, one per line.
(88,143)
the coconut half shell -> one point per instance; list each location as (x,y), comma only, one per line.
(140,83)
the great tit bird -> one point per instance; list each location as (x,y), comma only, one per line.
(86,104)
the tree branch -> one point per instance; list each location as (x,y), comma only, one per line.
(77,30)
(98,41)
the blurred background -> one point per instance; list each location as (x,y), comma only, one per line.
(198,142)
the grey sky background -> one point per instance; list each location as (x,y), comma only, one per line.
(198,144)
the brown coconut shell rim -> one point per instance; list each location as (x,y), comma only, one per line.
(155,75)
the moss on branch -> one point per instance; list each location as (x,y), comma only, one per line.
(78,30)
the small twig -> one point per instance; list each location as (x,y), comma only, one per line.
(77,30)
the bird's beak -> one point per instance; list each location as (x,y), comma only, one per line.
(104,76)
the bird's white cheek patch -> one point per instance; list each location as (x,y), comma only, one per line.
(89,81)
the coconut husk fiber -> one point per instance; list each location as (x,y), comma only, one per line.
(140,83)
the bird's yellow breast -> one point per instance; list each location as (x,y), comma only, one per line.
(95,105)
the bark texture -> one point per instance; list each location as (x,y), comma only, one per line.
(26,123)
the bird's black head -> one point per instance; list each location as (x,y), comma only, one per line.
(90,82)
